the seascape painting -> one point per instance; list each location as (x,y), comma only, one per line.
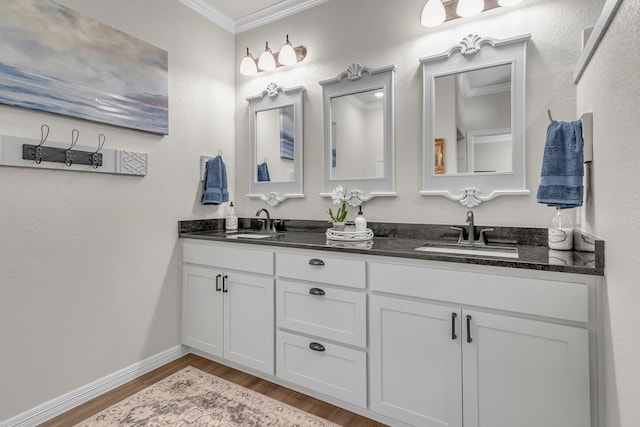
(57,60)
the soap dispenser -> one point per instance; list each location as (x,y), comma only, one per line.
(231,220)
(561,231)
(361,221)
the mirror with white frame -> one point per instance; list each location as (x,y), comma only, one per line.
(473,107)
(359,133)
(275,124)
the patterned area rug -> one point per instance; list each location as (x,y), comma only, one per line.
(192,397)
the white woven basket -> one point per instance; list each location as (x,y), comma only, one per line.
(349,236)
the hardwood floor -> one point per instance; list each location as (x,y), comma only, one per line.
(293,398)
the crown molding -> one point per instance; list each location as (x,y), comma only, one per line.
(211,13)
(273,13)
(257,19)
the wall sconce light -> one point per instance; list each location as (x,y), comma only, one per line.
(435,12)
(268,60)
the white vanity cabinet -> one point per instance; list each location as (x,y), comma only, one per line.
(321,319)
(439,360)
(228,303)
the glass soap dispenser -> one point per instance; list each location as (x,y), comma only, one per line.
(231,220)
(561,231)
(361,221)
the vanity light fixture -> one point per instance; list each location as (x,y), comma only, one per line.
(268,60)
(436,12)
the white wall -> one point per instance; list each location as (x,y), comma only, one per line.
(377,33)
(90,263)
(611,90)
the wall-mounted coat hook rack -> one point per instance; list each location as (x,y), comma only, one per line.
(68,156)
(43,154)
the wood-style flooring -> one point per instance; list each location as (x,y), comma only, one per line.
(290,397)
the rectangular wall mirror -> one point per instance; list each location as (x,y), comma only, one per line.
(473,123)
(359,133)
(275,125)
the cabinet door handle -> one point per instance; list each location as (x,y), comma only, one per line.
(315,346)
(469,328)
(316,261)
(218,282)
(316,291)
(224,283)
(453,326)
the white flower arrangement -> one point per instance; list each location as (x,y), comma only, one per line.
(339,197)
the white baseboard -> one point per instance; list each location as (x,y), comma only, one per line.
(61,404)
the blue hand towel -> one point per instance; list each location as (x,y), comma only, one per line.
(263,172)
(562,166)
(215,183)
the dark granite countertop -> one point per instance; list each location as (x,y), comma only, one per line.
(401,240)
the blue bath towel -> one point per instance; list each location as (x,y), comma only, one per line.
(562,166)
(215,183)
(263,172)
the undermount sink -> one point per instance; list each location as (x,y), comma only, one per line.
(251,235)
(468,249)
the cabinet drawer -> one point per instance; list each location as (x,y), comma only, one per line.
(321,268)
(228,257)
(336,371)
(552,297)
(336,314)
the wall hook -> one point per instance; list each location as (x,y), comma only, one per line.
(96,159)
(38,152)
(219,151)
(549,113)
(75,134)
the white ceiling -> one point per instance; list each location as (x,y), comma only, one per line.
(236,16)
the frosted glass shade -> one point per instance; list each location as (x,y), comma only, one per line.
(267,61)
(467,8)
(433,13)
(287,55)
(248,65)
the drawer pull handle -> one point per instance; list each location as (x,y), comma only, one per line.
(316,261)
(453,326)
(469,329)
(218,282)
(315,346)
(224,283)
(316,291)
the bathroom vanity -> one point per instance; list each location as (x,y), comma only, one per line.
(398,335)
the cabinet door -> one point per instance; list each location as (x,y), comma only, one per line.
(249,321)
(202,309)
(525,373)
(415,357)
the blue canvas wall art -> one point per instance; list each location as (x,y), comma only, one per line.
(56,60)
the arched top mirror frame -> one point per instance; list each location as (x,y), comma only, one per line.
(472,53)
(358,79)
(277,97)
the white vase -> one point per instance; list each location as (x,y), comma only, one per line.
(338,226)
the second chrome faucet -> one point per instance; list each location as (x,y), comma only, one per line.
(471,232)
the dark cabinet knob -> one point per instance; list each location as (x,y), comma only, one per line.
(316,291)
(315,346)
(316,261)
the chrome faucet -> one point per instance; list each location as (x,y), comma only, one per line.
(471,228)
(471,232)
(267,224)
